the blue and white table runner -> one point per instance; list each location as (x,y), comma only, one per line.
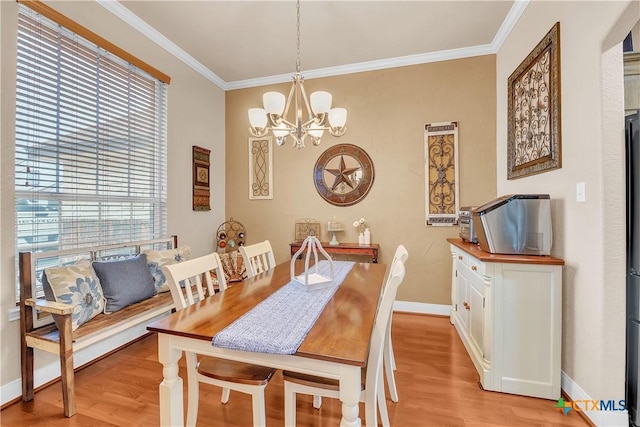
(279,324)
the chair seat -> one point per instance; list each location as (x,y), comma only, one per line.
(319,382)
(237,372)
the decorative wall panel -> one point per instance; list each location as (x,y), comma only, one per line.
(261,168)
(201,189)
(441,173)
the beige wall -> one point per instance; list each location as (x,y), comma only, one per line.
(196,117)
(387,113)
(590,235)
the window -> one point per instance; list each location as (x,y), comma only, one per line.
(90,142)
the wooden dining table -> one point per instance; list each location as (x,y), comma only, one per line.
(337,346)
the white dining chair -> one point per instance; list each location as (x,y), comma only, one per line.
(258,257)
(372,386)
(402,255)
(186,285)
(389,357)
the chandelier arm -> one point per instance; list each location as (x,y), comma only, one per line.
(337,131)
(274,119)
(291,94)
(306,101)
(290,126)
(307,125)
(320,119)
(298,112)
(258,132)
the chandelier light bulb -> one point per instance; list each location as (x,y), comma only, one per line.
(280,132)
(337,117)
(320,102)
(258,118)
(315,132)
(274,102)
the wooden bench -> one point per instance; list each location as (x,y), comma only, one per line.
(38,331)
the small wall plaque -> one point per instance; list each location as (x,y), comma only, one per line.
(201,189)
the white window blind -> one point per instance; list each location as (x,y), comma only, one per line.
(90,143)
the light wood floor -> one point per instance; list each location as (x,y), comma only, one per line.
(437,383)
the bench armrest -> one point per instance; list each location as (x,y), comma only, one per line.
(49,306)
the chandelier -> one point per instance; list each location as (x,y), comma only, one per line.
(319,114)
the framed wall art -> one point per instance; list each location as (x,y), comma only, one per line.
(343,174)
(306,227)
(261,168)
(201,189)
(441,173)
(533,109)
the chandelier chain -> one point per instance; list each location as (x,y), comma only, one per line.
(298,37)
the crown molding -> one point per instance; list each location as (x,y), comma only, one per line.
(133,20)
(381,64)
(509,23)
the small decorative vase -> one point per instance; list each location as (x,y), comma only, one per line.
(367,236)
(361,239)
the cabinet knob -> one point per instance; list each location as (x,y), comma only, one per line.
(474,268)
(467,306)
(460,257)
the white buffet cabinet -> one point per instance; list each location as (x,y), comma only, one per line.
(507,310)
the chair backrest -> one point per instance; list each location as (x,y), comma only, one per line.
(374,365)
(185,279)
(401,254)
(258,258)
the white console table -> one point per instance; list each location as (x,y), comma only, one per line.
(507,310)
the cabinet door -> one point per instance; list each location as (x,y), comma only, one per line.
(462,299)
(476,316)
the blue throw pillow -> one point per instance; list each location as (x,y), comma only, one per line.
(124,282)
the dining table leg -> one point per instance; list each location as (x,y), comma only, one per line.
(350,396)
(171,400)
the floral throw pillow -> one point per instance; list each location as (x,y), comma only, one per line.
(157,259)
(77,285)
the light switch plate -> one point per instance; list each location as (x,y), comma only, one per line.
(581,192)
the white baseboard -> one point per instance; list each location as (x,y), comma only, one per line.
(46,373)
(599,418)
(422,308)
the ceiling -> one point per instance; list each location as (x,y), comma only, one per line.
(248,43)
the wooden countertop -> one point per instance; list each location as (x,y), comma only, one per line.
(475,251)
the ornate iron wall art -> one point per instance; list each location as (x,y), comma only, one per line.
(534,110)
(201,188)
(441,173)
(343,174)
(261,168)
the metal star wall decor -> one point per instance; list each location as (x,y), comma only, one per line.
(343,174)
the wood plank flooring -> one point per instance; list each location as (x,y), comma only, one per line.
(437,384)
